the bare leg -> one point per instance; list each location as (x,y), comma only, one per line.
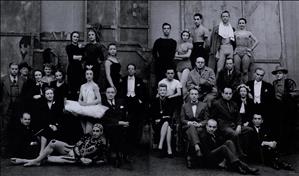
(237,61)
(88,127)
(19,160)
(184,80)
(245,67)
(59,146)
(60,159)
(163,134)
(83,125)
(42,144)
(168,140)
(179,75)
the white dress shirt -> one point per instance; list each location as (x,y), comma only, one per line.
(131,86)
(257,91)
(194,108)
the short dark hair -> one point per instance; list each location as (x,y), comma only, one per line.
(111,44)
(169,68)
(259,68)
(193,88)
(166,24)
(242,19)
(112,88)
(74,32)
(162,85)
(225,11)
(185,31)
(61,71)
(13,63)
(226,87)
(198,14)
(132,65)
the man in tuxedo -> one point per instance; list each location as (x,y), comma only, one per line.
(228,76)
(226,112)
(263,96)
(116,126)
(215,150)
(11,87)
(193,117)
(132,88)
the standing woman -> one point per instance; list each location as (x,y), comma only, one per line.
(94,54)
(74,70)
(112,67)
(244,48)
(182,59)
(89,103)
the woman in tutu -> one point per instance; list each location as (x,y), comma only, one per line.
(89,103)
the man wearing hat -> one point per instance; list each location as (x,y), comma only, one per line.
(285,105)
(24,70)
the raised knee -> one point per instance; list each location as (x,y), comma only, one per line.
(52,142)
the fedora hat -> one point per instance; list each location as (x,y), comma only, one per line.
(279,68)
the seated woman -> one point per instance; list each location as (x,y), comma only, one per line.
(90,148)
(60,87)
(161,112)
(244,100)
(89,103)
(182,59)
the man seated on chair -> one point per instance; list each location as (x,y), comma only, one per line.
(116,127)
(193,117)
(215,150)
(203,79)
(226,112)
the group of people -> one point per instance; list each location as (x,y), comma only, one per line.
(222,117)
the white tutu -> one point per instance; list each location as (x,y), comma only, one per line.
(95,111)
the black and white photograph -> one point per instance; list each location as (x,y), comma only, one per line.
(149,88)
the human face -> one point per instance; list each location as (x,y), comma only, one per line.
(211,126)
(131,70)
(243,92)
(24,71)
(26,119)
(193,95)
(185,36)
(170,74)
(227,94)
(200,63)
(257,120)
(96,132)
(166,30)
(58,76)
(14,69)
(225,18)
(162,91)
(242,24)
(75,38)
(112,50)
(110,93)
(259,75)
(92,36)
(47,71)
(37,76)
(49,94)
(279,75)
(89,75)
(197,21)
(229,64)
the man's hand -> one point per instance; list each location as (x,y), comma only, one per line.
(238,129)
(53,127)
(157,120)
(246,124)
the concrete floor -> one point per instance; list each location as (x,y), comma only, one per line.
(143,165)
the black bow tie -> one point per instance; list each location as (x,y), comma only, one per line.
(194,103)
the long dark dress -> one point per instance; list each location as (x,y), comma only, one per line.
(93,53)
(75,72)
(59,92)
(115,74)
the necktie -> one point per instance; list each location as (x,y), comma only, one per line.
(228,106)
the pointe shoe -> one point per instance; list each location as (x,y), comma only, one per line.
(30,164)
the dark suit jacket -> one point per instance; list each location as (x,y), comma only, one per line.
(5,92)
(139,88)
(267,91)
(115,113)
(225,80)
(207,144)
(224,116)
(201,114)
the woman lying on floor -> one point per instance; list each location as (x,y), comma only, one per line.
(90,148)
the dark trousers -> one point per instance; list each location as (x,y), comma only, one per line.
(118,138)
(192,134)
(226,151)
(239,140)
